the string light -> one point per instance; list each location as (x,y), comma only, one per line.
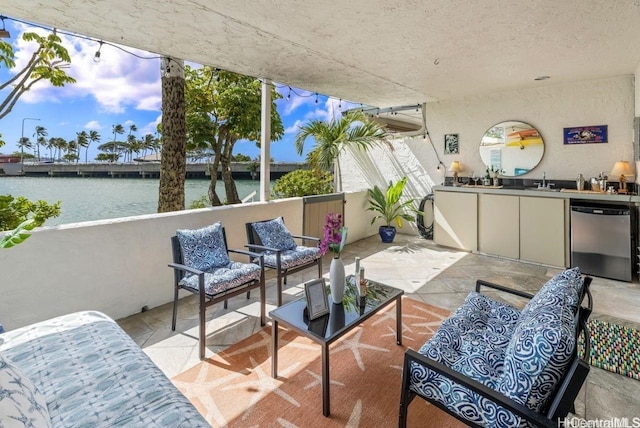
(96,57)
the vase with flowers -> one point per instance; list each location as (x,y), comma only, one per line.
(334,238)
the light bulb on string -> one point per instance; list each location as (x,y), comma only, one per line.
(96,57)
(289,94)
(316,98)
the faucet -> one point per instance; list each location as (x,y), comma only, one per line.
(545,184)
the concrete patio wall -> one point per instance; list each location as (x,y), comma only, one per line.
(118,266)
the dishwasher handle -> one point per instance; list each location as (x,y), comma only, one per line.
(601,211)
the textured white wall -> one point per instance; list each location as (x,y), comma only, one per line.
(118,266)
(550,109)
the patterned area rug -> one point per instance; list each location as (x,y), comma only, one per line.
(235,387)
(615,348)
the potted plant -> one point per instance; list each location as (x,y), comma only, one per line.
(390,209)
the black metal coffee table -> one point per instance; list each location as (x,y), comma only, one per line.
(331,327)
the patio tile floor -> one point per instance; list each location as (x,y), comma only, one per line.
(426,272)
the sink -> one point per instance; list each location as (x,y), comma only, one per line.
(542,189)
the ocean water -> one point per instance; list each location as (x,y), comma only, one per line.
(85,199)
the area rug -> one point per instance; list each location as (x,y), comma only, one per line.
(614,348)
(234,388)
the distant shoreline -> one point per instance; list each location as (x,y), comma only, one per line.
(239,170)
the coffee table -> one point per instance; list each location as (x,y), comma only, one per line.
(331,327)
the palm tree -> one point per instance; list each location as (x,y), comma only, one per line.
(117,129)
(94,137)
(40,134)
(354,129)
(82,141)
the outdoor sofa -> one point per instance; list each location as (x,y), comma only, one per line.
(83,370)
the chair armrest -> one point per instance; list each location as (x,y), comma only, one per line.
(262,247)
(308,238)
(480,283)
(524,412)
(247,253)
(186,268)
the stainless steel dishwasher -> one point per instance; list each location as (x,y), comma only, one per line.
(601,241)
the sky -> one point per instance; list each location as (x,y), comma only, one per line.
(124,88)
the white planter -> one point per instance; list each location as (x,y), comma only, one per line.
(336,280)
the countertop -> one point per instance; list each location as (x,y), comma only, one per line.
(562,193)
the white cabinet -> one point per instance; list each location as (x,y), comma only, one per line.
(455,219)
(528,228)
(499,225)
(543,230)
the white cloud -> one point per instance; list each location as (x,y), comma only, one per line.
(293,129)
(151,127)
(93,125)
(120,80)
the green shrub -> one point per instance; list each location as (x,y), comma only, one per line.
(303,182)
(14,211)
(201,202)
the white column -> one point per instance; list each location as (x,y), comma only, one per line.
(265,143)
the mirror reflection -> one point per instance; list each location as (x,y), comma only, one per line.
(513,147)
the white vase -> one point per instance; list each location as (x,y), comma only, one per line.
(336,280)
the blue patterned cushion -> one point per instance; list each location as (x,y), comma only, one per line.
(542,343)
(224,278)
(291,258)
(474,339)
(274,234)
(204,248)
(21,404)
(523,355)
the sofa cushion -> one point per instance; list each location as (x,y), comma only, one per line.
(474,339)
(203,249)
(21,404)
(224,278)
(92,374)
(274,234)
(294,257)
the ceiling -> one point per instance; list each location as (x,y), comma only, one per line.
(376,52)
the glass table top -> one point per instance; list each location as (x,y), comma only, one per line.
(341,317)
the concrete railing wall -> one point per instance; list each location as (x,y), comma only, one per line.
(118,266)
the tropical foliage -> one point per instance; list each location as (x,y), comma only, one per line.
(388,205)
(354,129)
(303,182)
(47,63)
(14,211)
(221,108)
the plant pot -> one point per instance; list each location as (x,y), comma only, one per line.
(387,233)
(336,280)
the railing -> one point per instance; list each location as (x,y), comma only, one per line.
(250,197)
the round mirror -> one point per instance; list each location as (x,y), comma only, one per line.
(514,148)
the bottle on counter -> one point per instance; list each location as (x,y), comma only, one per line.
(580,182)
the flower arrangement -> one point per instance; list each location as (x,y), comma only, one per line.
(335,235)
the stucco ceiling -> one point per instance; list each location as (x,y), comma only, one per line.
(376,52)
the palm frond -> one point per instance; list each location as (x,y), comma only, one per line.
(17,235)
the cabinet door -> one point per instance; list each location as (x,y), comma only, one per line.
(543,230)
(499,225)
(455,217)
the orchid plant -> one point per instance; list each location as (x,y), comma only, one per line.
(335,235)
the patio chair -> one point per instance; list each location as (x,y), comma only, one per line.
(272,239)
(202,266)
